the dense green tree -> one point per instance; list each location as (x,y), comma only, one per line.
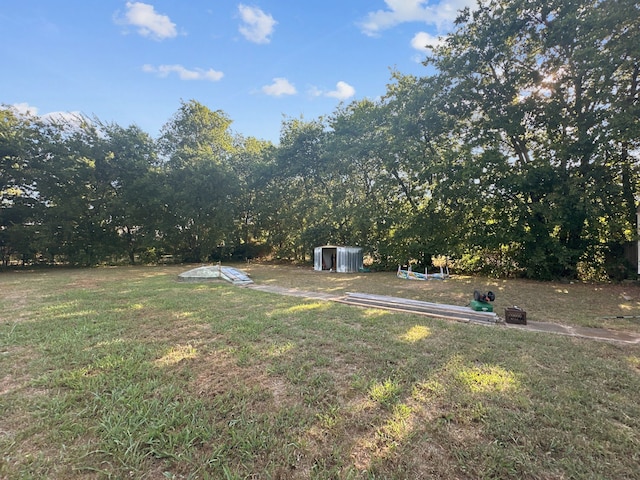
(72,192)
(198,148)
(534,82)
(422,156)
(17,194)
(128,177)
(298,186)
(358,195)
(370,193)
(252,167)
(74,213)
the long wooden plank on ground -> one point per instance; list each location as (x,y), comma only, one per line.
(416,306)
(409,301)
(432,312)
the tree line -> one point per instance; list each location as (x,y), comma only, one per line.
(517,153)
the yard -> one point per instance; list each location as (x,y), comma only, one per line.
(126,373)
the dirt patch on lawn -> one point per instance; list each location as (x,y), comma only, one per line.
(15,378)
(217,373)
(15,306)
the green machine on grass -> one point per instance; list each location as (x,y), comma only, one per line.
(480,302)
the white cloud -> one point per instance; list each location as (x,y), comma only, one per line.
(148,21)
(25,109)
(315,91)
(257,26)
(68,118)
(183,73)
(423,41)
(75,118)
(342,92)
(279,87)
(440,14)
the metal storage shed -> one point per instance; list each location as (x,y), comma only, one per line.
(338,259)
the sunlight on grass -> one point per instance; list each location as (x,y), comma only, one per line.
(398,427)
(109,362)
(108,343)
(375,312)
(395,430)
(341,282)
(75,379)
(425,391)
(177,354)
(280,350)
(77,313)
(153,273)
(306,307)
(344,279)
(477,378)
(488,378)
(380,443)
(61,306)
(634,362)
(386,392)
(68,310)
(416,333)
(626,306)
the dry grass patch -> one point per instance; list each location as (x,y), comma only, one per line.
(16,377)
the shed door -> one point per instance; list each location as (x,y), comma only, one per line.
(329,258)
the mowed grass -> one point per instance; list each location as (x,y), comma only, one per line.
(127,373)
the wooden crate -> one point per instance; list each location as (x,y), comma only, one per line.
(515,315)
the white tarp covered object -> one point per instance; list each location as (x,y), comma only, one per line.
(230,274)
(338,259)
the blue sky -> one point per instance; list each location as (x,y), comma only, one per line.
(258,61)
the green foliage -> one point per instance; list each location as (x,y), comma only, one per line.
(198,150)
(536,83)
(517,155)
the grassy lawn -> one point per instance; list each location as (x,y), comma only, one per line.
(127,373)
